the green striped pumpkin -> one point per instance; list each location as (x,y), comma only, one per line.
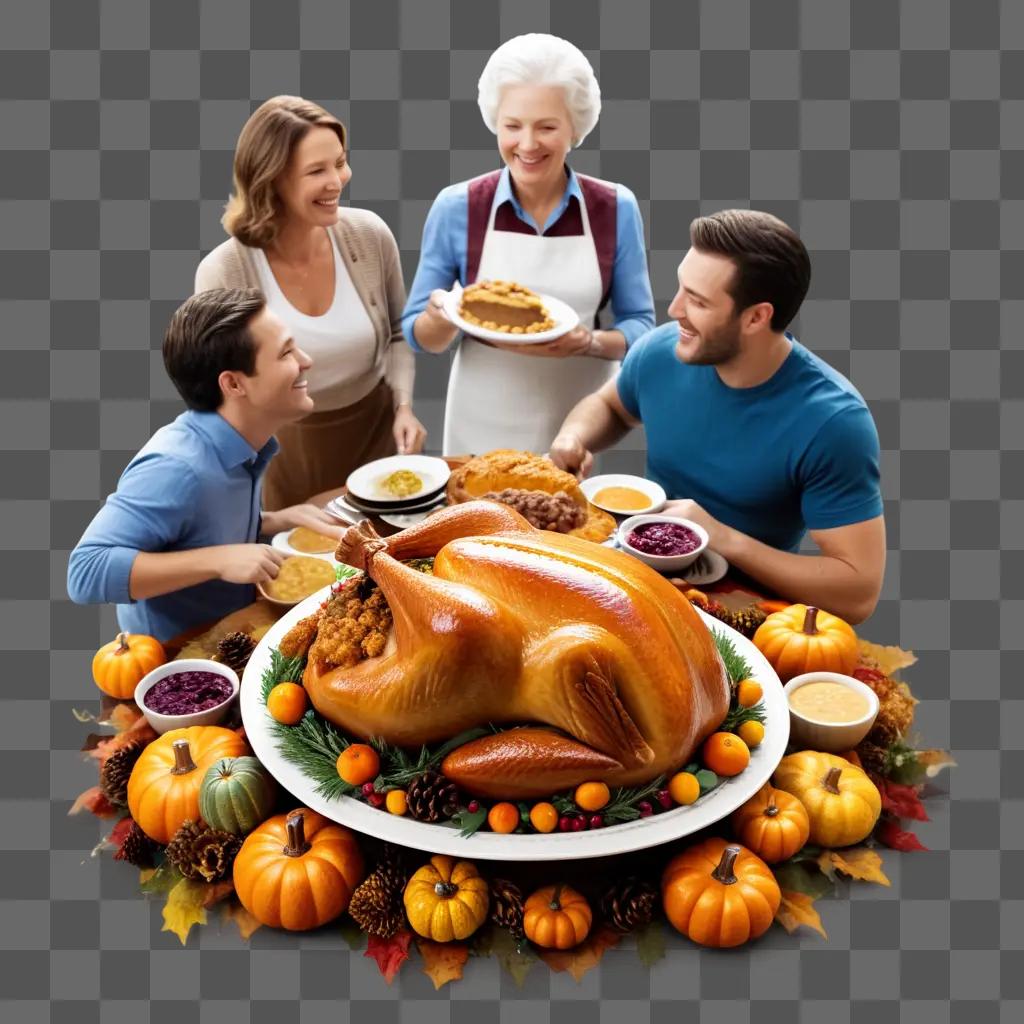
(236,795)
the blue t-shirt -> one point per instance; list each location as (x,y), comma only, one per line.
(196,483)
(798,452)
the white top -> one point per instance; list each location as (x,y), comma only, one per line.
(342,342)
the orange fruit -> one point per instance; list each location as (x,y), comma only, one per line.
(503,817)
(544,817)
(358,763)
(683,787)
(287,703)
(725,754)
(748,693)
(396,801)
(592,796)
(751,733)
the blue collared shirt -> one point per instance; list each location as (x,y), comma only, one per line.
(443,252)
(196,483)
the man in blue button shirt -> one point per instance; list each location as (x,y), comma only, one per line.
(756,438)
(176,546)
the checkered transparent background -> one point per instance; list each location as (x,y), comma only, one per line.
(890,134)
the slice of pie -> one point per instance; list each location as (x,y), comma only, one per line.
(504,306)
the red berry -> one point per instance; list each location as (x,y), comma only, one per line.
(579,823)
(367,789)
(376,799)
(597,821)
(565,823)
(664,797)
(473,806)
(645,809)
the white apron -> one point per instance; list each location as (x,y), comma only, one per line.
(503,400)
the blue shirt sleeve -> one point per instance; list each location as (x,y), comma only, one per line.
(631,298)
(628,381)
(150,510)
(442,253)
(839,472)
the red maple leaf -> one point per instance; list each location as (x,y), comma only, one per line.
(902,801)
(118,833)
(95,802)
(889,833)
(390,954)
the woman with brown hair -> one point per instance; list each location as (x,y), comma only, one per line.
(333,276)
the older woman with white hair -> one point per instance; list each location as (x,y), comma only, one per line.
(539,223)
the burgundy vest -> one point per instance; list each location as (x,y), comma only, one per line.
(602,210)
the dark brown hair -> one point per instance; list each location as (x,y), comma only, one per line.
(264,148)
(208,334)
(771,262)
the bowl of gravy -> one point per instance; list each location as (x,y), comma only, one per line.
(829,711)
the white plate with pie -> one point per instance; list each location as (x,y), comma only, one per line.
(565,317)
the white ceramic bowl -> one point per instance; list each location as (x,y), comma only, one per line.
(364,482)
(663,563)
(830,737)
(653,491)
(211,716)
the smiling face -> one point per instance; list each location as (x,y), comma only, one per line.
(317,172)
(710,327)
(277,391)
(535,133)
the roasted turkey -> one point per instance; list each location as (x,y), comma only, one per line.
(606,664)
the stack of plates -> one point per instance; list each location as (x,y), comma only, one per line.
(366,495)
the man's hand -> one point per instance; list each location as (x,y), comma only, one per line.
(247,563)
(577,342)
(408,432)
(567,452)
(310,516)
(719,535)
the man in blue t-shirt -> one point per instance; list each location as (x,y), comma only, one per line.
(756,438)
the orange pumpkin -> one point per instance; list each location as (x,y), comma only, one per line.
(297,871)
(118,666)
(163,789)
(719,894)
(773,824)
(802,638)
(557,917)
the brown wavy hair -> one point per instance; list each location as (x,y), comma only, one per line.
(264,148)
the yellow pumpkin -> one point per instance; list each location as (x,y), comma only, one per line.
(773,824)
(842,803)
(297,871)
(446,900)
(557,917)
(118,666)
(163,789)
(802,638)
(719,894)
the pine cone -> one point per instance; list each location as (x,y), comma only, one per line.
(629,904)
(200,852)
(746,621)
(873,757)
(234,650)
(432,797)
(137,848)
(377,905)
(116,771)
(507,906)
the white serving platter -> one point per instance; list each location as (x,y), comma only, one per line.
(565,317)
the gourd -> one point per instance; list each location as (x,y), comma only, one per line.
(297,871)
(842,803)
(236,795)
(773,824)
(802,638)
(163,789)
(557,917)
(446,900)
(719,894)
(118,666)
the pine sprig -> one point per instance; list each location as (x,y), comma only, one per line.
(622,806)
(281,670)
(738,715)
(735,664)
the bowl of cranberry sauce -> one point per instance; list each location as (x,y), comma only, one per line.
(192,691)
(665,543)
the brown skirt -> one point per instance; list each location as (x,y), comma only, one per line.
(319,452)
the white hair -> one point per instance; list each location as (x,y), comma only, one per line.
(541,59)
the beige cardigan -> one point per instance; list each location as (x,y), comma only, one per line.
(371,256)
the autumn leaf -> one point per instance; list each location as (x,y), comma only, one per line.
(796,909)
(352,934)
(516,958)
(390,954)
(934,761)
(161,881)
(803,877)
(122,716)
(247,924)
(145,877)
(93,801)
(889,833)
(443,961)
(584,957)
(185,907)
(901,801)
(888,660)
(650,943)
(99,748)
(858,862)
